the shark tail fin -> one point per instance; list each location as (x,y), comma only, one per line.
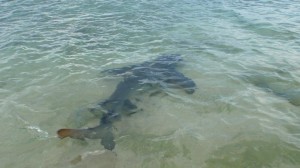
(72,133)
(100,132)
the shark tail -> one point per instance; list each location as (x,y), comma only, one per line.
(72,133)
(100,132)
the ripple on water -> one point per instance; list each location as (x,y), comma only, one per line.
(243,56)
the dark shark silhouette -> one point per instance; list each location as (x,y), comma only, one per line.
(161,71)
(276,83)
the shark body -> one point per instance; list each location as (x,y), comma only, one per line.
(161,71)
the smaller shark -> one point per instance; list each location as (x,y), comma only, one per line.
(276,83)
(161,71)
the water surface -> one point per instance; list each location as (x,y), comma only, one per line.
(243,56)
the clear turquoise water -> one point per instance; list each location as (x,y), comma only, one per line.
(243,55)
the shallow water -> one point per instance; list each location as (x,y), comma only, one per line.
(243,56)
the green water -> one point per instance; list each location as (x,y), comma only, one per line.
(243,56)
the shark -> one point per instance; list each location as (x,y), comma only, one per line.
(160,71)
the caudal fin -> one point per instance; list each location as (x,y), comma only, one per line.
(72,133)
(100,132)
(63,133)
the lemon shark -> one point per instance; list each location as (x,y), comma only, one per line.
(160,71)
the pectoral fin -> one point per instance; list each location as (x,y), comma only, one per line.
(178,79)
(128,105)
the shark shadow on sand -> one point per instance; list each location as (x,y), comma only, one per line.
(160,71)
